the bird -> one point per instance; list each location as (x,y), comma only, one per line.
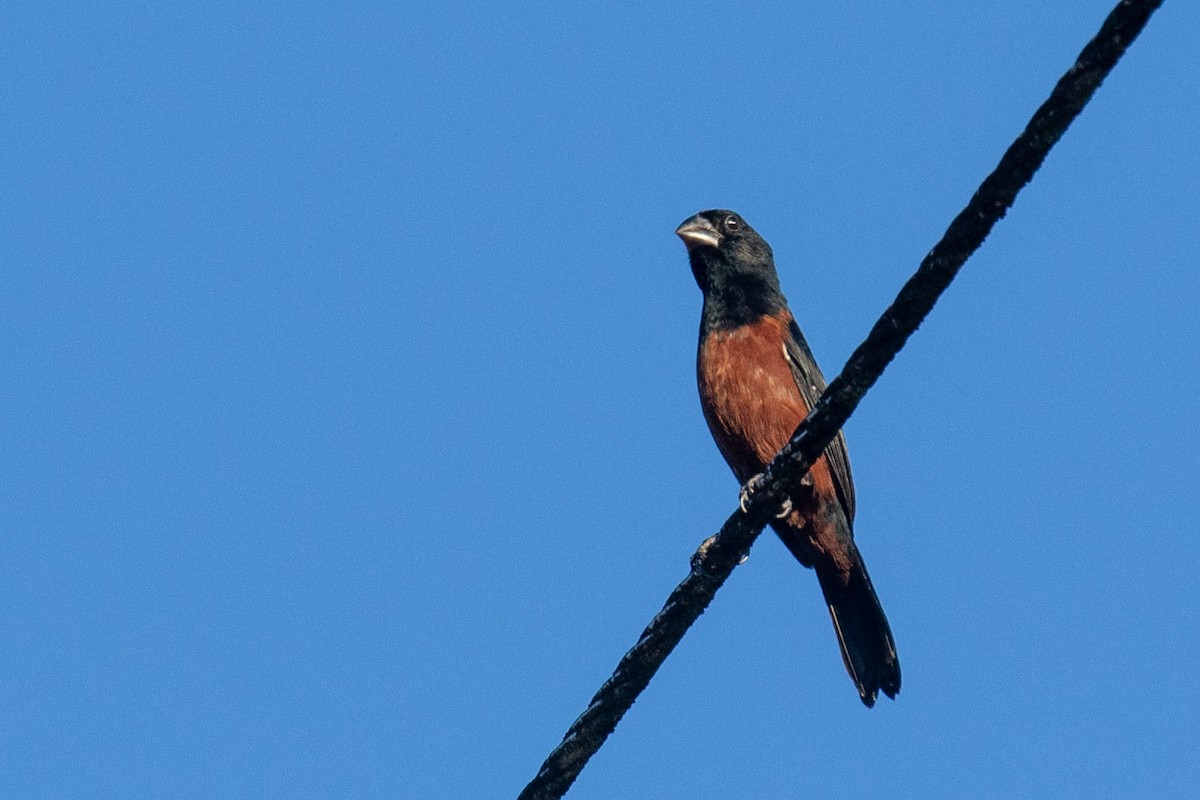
(758,380)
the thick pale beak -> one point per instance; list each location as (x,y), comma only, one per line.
(698,232)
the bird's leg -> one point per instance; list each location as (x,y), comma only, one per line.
(752,486)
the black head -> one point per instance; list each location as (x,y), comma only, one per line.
(733,266)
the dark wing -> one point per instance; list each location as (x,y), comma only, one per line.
(812,384)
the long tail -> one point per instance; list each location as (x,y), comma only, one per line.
(868,649)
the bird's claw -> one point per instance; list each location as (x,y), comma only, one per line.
(700,554)
(785,509)
(752,486)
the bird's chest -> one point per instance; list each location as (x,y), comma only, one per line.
(748,394)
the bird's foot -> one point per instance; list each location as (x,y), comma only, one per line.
(702,552)
(752,486)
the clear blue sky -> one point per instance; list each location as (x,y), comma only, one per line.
(350,425)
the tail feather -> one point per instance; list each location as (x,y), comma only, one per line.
(865,638)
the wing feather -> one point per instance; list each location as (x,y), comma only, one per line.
(811,383)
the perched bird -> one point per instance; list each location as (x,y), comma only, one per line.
(757,381)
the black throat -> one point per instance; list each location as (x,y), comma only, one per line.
(735,297)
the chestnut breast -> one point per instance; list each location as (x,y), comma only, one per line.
(750,399)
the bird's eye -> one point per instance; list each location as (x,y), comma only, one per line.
(732,223)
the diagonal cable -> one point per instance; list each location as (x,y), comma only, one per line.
(715,560)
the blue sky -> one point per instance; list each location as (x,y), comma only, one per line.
(351,433)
